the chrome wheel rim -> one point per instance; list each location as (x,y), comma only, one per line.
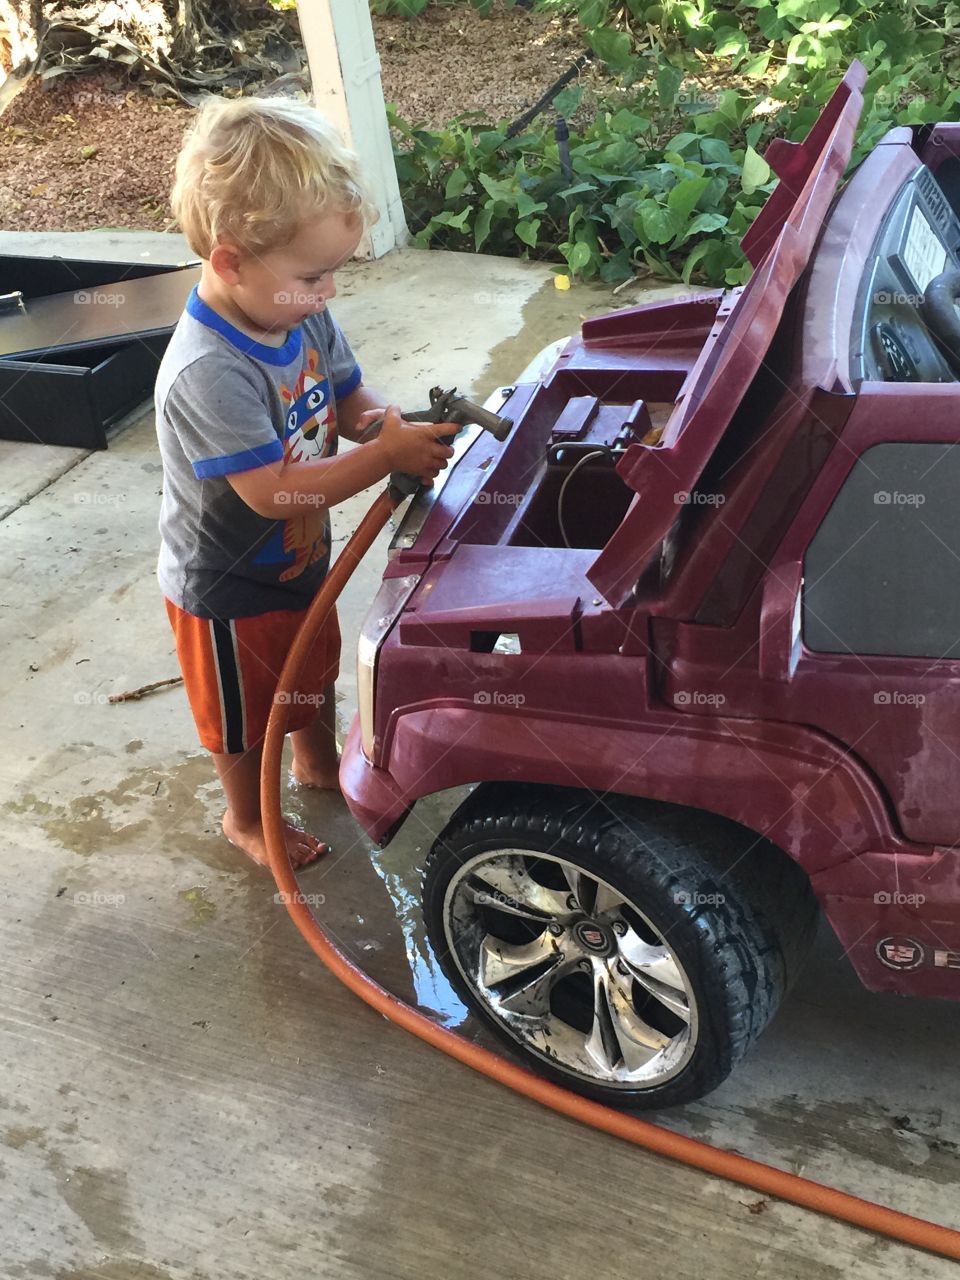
(571,968)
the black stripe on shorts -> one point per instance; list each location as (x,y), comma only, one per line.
(230,689)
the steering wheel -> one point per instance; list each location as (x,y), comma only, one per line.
(941,299)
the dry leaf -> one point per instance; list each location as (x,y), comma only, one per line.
(87,153)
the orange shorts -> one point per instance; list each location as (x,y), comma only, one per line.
(231,667)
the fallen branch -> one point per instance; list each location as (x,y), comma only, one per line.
(133,695)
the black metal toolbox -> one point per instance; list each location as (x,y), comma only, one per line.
(81,342)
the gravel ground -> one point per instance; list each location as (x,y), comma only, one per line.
(90,153)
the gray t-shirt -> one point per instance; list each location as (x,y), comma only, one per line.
(226,403)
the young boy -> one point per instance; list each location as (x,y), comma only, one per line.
(255,387)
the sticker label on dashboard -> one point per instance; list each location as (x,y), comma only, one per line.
(923,254)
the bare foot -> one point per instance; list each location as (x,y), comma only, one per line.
(310,775)
(302,847)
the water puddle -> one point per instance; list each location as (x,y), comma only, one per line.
(434,993)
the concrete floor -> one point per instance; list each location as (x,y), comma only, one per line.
(185,1094)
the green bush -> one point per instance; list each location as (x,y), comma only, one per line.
(668,176)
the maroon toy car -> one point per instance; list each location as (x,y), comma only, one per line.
(694,629)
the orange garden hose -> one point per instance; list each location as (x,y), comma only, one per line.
(699,1155)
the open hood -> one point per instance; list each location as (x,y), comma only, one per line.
(778,244)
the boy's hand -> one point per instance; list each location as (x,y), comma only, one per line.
(366,420)
(415,447)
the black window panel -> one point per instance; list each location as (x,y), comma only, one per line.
(882,574)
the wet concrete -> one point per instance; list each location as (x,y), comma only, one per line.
(186,1094)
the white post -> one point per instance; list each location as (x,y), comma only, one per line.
(345,71)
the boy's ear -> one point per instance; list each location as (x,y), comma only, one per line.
(225,259)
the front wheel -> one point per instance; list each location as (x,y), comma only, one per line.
(629,950)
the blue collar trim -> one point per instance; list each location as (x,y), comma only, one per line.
(291,348)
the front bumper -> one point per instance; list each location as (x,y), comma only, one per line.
(372,795)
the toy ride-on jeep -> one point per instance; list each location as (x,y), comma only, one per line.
(693,630)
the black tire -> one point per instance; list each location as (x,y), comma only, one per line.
(736,913)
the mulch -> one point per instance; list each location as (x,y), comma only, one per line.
(82,153)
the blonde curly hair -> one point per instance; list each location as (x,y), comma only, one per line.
(251,169)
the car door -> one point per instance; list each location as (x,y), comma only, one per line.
(876,659)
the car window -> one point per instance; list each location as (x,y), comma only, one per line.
(882,574)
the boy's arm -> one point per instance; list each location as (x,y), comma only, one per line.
(277,489)
(350,410)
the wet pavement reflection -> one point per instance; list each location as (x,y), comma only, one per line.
(371,903)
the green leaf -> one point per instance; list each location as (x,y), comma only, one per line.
(738,275)
(668,83)
(567,101)
(753,133)
(481,228)
(613,47)
(593,13)
(527,231)
(755,171)
(730,42)
(457,182)
(618,268)
(659,224)
(628,123)
(527,205)
(696,254)
(579,255)
(703,222)
(489,140)
(683,198)
(715,151)
(756,68)
(448,219)
(496,190)
(576,190)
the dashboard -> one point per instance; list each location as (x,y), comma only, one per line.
(918,241)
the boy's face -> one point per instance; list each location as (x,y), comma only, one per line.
(279,288)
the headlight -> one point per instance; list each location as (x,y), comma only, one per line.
(387,606)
